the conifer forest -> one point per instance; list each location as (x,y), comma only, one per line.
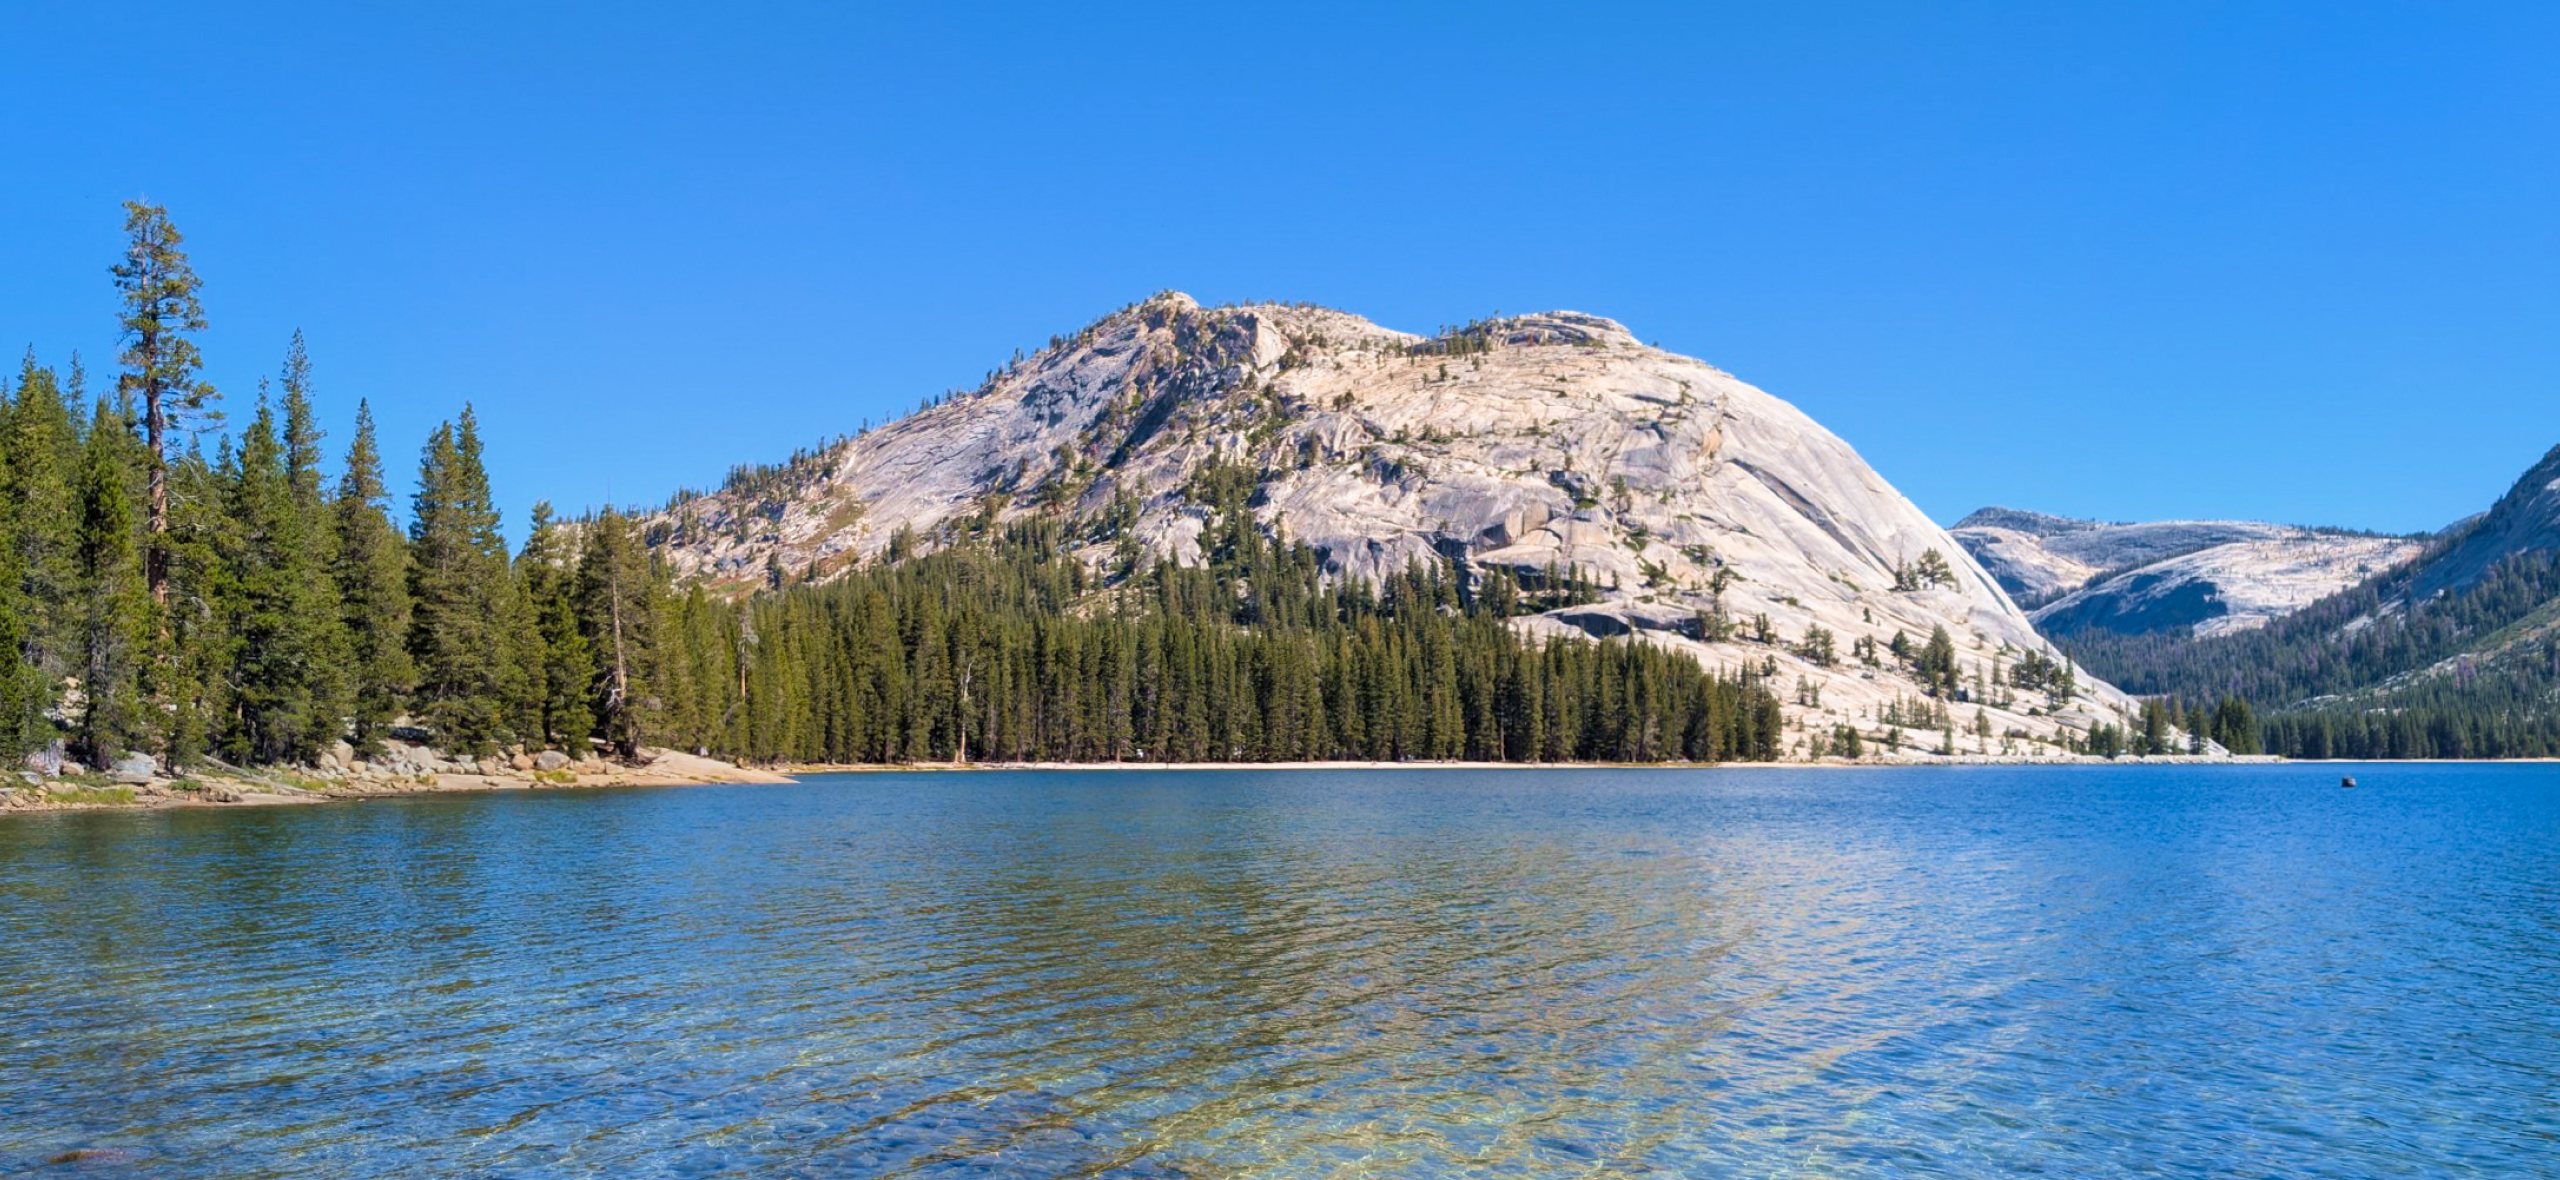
(185,574)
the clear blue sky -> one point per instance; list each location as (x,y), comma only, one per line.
(2282,261)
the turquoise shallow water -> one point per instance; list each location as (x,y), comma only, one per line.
(2067,972)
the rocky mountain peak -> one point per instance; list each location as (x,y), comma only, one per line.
(1551,449)
(1561,327)
(2019,520)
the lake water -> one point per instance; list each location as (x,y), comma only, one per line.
(2070,972)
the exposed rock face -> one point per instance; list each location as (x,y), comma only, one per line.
(1537,443)
(2525,520)
(2228,587)
(2209,575)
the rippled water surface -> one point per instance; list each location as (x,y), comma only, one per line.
(2065,972)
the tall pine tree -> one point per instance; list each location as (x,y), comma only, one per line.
(162,313)
(372,576)
(460,593)
(286,682)
(548,572)
(618,606)
(39,456)
(111,608)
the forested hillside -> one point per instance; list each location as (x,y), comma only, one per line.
(2455,654)
(170,589)
(1702,513)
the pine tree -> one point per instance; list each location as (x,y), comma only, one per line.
(39,459)
(288,682)
(161,314)
(302,433)
(188,676)
(112,606)
(617,616)
(1937,664)
(372,578)
(459,592)
(21,689)
(548,571)
(334,677)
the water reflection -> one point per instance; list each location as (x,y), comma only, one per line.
(1868,973)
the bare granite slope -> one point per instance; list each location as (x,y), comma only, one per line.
(2210,576)
(1535,443)
(2228,587)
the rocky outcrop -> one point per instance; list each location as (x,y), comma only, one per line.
(1542,445)
(402,768)
(134,770)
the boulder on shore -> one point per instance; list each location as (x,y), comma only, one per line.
(134,770)
(550,760)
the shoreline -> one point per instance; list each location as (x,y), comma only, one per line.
(1962,760)
(225,789)
(686,770)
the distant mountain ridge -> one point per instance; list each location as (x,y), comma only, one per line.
(2453,653)
(2210,576)
(1701,512)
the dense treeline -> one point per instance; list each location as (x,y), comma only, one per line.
(2436,723)
(1000,647)
(191,604)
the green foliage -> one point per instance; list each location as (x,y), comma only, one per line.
(160,317)
(1936,663)
(992,650)
(547,570)
(197,602)
(371,570)
(461,597)
(39,462)
(1819,646)
(618,603)
(110,610)
(288,676)
(2375,671)
(1931,570)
